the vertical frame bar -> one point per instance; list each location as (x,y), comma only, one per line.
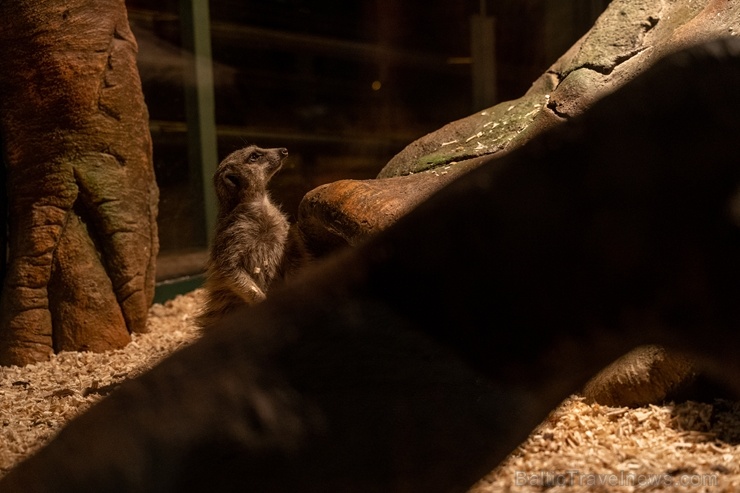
(200,103)
(483,53)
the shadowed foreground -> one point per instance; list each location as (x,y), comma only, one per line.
(417,361)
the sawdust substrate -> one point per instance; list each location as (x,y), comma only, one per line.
(689,446)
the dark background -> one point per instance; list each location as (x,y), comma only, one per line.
(343,85)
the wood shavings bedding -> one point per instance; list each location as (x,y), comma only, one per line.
(36,400)
(687,447)
(682,447)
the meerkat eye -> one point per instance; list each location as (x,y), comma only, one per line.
(253,157)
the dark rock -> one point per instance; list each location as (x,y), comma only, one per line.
(421,358)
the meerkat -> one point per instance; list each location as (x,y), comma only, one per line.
(251,233)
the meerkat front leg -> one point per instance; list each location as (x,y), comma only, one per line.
(244,286)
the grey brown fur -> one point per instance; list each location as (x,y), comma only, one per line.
(250,236)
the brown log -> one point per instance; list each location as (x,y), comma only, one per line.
(82,197)
(347,212)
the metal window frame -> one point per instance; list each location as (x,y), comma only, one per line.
(202,141)
(200,103)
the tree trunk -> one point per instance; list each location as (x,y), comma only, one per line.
(82,198)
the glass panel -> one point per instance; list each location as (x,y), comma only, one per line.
(343,85)
(161,67)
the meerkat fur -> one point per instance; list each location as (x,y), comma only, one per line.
(250,236)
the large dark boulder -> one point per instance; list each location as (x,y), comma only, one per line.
(419,359)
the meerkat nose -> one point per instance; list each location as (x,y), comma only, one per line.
(283,151)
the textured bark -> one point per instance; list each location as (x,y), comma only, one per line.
(82,193)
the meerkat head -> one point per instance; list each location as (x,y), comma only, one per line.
(244,174)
